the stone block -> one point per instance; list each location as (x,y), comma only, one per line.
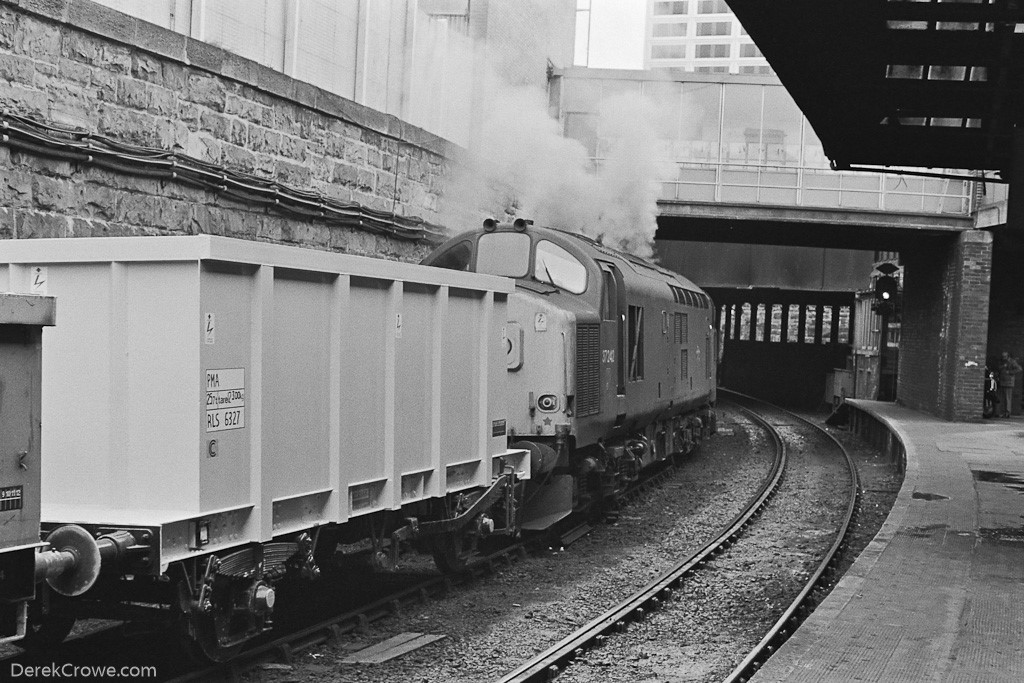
(17,68)
(294,148)
(270,227)
(291,173)
(263,140)
(204,55)
(38,39)
(204,147)
(52,194)
(8,28)
(162,41)
(34,224)
(81,47)
(23,99)
(239,68)
(217,124)
(239,134)
(238,158)
(146,68)
(206,90)
(345,174)
(115,58)
(131,93)
(174,76)
(6,223)
(75,72)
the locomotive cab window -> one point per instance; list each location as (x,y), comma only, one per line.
(455,257)
(555,265)
(609,296)
(503,253)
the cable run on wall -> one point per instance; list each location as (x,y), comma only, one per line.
(27,135)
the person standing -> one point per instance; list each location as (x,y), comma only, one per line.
(1008,369)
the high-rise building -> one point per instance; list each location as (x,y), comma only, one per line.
(699,35)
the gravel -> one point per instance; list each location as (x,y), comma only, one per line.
(494,624)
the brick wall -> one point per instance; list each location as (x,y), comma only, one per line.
(75,64)
(945,326)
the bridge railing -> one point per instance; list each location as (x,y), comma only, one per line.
(809,186)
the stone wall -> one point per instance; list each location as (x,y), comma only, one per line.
(79,65)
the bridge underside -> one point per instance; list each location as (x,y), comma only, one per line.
(828,228)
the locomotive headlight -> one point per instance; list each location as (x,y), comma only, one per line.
(547,403)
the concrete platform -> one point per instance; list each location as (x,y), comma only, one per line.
(938,595)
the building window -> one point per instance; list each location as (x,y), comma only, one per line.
(636,343)
(749,50)
(711,69)
(712,50)
(667,30)
(664,8)
(760,69)
(713,7)
(714,28)
(668,52)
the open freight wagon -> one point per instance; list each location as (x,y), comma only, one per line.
(219,413)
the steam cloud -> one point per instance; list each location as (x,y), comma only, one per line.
(520,165)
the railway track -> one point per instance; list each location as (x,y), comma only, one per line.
(822,577)
(283,648)
(658,594)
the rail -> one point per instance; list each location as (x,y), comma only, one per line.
(791,617)
(549,663)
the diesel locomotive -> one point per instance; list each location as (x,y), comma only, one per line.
(610,360)
(219,416)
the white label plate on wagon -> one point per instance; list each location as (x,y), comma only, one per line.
(225,399)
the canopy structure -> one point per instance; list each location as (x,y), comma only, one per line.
(912,83)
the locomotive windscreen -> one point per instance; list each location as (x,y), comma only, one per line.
(503,253)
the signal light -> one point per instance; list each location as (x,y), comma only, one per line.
(886,288)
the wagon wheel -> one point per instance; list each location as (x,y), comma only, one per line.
(197,635)
(204,649)
(450,554)
(45,631)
